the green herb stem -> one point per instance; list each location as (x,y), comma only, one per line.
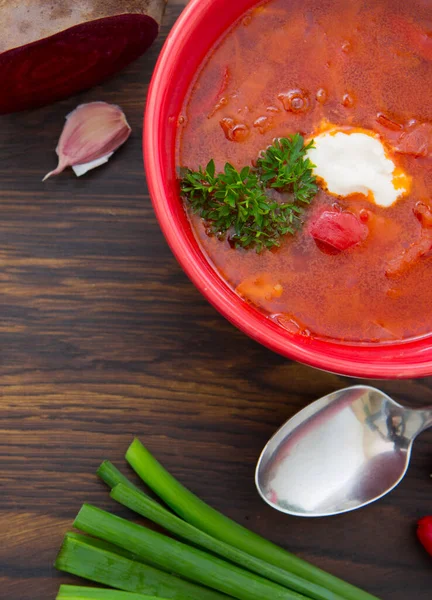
(92,560)
(76,592)
(146,507)
(174,556)
(193,510)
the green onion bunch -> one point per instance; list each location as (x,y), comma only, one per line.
(205,556)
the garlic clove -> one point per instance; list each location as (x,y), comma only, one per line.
(91,134)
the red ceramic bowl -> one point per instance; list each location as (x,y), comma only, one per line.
(197,29)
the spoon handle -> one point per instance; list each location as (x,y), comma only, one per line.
(425,417)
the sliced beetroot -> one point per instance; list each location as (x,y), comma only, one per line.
(417,141)
(339,230)
(50,50)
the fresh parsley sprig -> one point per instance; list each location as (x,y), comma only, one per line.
(285,167)
(239,202)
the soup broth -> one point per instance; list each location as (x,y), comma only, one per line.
(301,66)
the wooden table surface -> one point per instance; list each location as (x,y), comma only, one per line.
(102,338)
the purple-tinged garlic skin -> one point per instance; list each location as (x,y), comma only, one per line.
(91,133)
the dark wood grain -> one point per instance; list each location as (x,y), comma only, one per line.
(102,337)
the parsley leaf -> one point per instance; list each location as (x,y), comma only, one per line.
(284,166)
(241,203)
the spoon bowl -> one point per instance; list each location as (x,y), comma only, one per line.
(340,453)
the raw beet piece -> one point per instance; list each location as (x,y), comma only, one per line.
(340,230)
(50,50)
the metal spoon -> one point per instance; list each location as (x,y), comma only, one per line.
(341,452)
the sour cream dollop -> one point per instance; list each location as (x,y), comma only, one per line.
(349,163)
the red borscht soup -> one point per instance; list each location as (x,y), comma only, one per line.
(323,217)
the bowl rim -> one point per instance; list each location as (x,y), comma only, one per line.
(365,362)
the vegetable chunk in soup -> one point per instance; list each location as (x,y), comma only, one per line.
(323,217)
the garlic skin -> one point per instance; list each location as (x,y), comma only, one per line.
(92,133)
(82,169)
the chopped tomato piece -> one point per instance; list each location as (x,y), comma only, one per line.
(340,230)
(419,249)
(417,141)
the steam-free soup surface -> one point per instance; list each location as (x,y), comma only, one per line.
(357,64)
